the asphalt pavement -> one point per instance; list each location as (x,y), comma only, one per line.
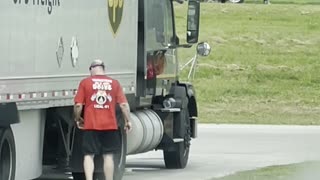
(225,149)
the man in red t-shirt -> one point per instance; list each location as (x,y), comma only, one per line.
(99,94)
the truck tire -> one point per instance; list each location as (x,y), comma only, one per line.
(178,157)
(7,154)
(236,1)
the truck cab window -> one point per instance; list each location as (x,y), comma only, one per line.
(158,24)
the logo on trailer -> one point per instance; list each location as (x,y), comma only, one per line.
(115,11)
(50,4)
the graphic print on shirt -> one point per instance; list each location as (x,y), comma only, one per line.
(101,97)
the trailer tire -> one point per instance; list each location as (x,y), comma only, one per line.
(7,154)
(178,157)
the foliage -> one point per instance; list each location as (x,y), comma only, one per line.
(264,65)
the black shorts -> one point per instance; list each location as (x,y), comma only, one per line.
(101,142)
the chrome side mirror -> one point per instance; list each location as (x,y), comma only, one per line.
(203,49)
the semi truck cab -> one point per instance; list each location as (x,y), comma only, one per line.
(46,47)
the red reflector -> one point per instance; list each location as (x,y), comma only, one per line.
(65,93)
(54,94)
(21,96)
(44,94)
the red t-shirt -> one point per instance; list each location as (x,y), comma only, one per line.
(99,95)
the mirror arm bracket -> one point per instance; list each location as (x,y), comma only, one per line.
(180,46)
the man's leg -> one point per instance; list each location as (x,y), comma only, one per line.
(88,165)
(108,166)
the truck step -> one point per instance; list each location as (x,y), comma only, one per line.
(170,110)
(177,140)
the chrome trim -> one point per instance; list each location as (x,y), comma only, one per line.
(59,76)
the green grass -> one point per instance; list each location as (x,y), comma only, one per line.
(264,65)
(302,171)
(285,1)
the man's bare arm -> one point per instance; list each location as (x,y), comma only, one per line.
(77,109)
(125,108)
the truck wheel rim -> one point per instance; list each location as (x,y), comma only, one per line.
(6,161)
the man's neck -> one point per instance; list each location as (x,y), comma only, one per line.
(98,73)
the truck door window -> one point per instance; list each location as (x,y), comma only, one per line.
(158,24)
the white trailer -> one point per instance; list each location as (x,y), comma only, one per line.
(45,50)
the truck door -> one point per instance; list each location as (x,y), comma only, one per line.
(159,60)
